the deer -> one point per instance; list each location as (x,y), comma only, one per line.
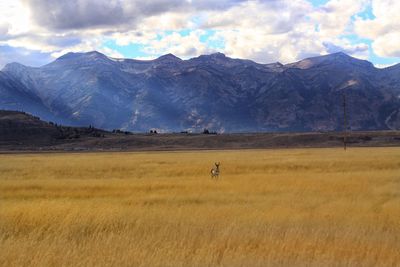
(215,171)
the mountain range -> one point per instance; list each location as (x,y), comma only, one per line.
(210,91)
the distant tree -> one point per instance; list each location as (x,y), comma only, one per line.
(206,131)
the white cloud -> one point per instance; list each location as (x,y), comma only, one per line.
(133,37)
(382,66)
(360,51)
(387,45)
(285,31)
(384,29)
(4,30)
(110,52)
(15,17)
(28,57)
(86,45)
(334,18)
(181,46)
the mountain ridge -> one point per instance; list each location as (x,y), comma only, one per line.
(210,91)
(71,55)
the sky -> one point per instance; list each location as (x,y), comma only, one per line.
(36,32)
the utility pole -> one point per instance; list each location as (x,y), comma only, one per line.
(344,120)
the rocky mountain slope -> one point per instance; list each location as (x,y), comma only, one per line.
(210,91)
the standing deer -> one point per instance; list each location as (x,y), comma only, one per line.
(215,171)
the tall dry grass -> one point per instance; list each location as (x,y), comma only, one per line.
(303,207)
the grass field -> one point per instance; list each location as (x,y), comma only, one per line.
(300,207)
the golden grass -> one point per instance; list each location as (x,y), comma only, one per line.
(300,207)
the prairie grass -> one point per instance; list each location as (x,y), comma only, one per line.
(293,207)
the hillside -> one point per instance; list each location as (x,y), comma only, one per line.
(19,129)
(211,91)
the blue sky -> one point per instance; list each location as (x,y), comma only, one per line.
(319,2)
(36,32)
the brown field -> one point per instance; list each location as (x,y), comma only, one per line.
(293,207)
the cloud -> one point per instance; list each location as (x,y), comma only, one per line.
(384,29)
(78,14)
(27,57)
(58,27)
(110,52)
(382,66)
(47,42)
(15,17)
(262,30)
(181,46)
(342,45)
(285,31)
(387,45)
(334,18)
(81,14)
(4,31)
